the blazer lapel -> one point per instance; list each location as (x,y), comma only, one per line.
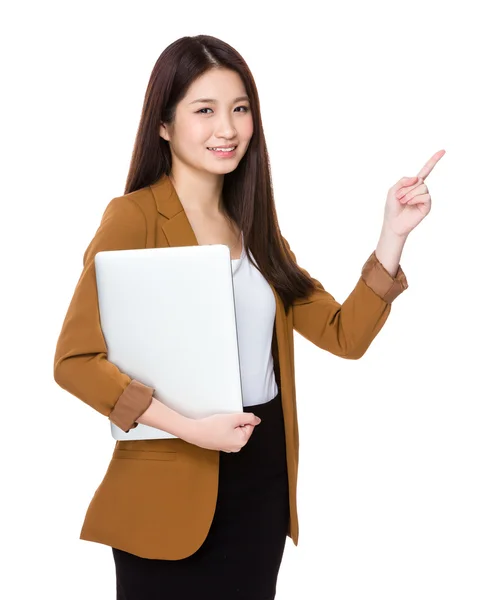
(176,226)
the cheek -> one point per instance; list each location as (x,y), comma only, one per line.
(246,131)
(196,136)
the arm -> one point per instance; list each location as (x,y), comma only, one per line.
(163,417)
(80,363)
(389,250)
(348,329)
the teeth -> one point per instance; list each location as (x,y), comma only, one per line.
(224,149)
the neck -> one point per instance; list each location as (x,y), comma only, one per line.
(198,192)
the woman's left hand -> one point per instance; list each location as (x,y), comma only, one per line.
(409,201)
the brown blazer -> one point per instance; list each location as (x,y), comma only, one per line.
(157,498)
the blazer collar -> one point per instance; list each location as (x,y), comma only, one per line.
(176,227)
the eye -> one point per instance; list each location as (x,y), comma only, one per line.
(246,109)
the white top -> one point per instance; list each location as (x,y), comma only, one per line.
(255,316)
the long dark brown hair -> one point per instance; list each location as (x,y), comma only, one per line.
(247,191)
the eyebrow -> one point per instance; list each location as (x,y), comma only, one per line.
(213,100)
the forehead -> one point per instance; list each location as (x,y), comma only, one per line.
(222,84)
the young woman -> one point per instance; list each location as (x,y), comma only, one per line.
(206,514)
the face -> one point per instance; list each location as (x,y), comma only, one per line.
(200,125)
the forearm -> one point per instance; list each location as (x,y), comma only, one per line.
(389,249)
(162,417)
(347,329)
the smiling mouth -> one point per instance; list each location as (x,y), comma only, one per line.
(230,149)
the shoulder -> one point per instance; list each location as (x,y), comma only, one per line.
(138,205)
(124,223)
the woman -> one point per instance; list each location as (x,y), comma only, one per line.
(206,514)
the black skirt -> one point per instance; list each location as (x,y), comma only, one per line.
(241,555)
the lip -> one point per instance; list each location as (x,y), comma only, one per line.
(227,146)
(224,154)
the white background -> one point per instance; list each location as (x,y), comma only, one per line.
(393,480)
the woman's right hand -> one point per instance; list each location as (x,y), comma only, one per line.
(227,432)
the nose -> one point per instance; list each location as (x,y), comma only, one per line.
(227,129)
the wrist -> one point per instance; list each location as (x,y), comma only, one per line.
(389,249)
(186,428)
(388,233)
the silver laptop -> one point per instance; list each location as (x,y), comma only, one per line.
(168,318)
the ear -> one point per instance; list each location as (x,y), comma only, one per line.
(164,133)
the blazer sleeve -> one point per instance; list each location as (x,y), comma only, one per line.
(80,363)
(348,329)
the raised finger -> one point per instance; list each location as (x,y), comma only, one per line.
(428,167)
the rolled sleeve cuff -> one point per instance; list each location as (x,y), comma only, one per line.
(132,403)
(380,281)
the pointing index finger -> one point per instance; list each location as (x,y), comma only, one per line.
(428,167)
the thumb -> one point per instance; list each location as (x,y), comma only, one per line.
(404,182)
(248,419)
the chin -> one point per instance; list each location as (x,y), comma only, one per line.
(229,167)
